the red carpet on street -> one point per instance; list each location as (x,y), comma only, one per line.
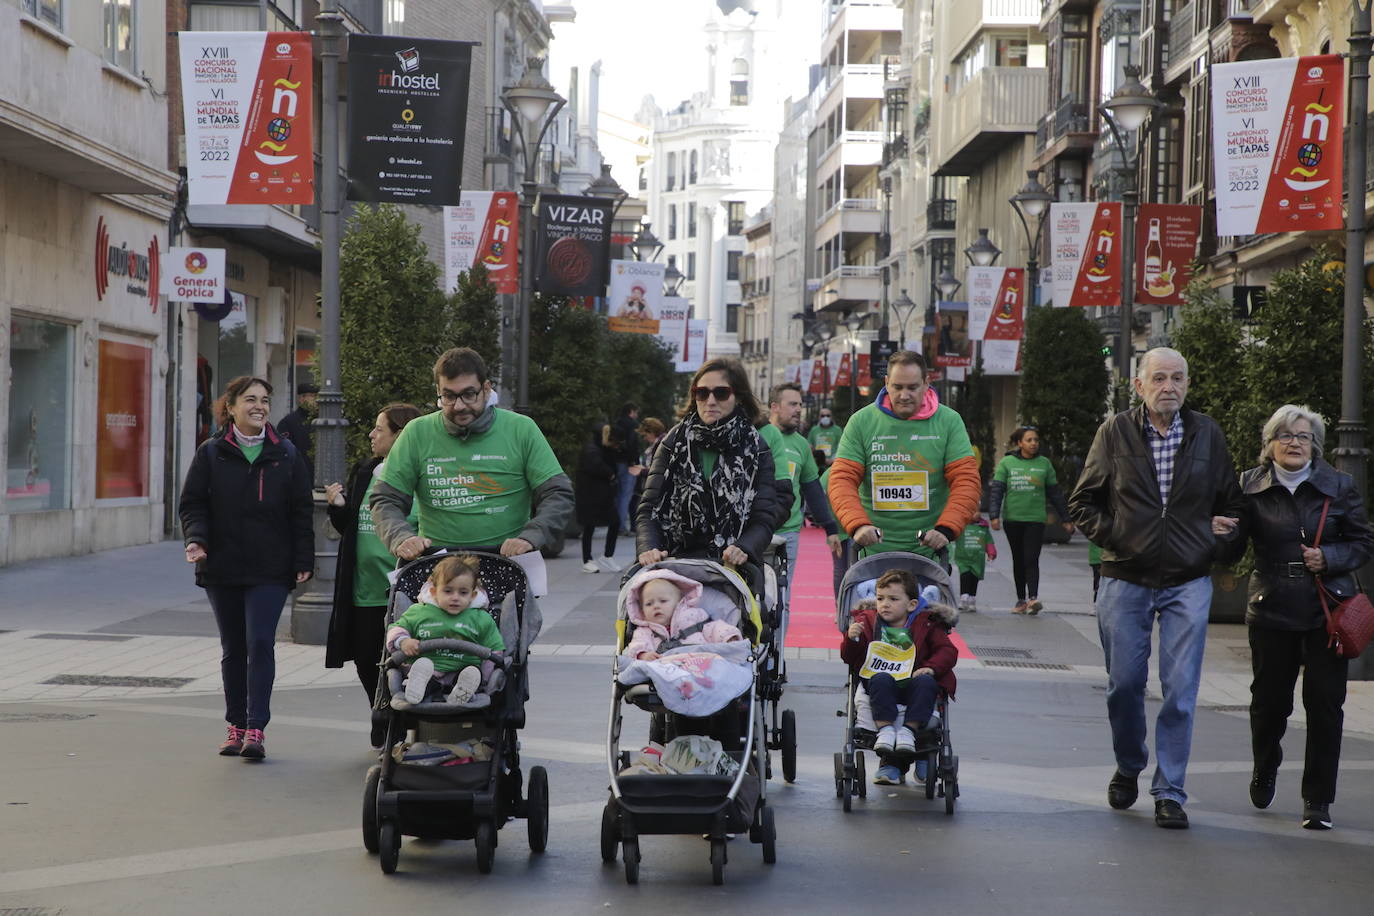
(812,620)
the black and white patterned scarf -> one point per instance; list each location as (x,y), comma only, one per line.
(692,513)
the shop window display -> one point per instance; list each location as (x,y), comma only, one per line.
(38,467)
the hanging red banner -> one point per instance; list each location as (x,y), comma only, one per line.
(1098,281)
(1165,245)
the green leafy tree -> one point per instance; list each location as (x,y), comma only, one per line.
(640,370)
(476,317)
(1064,385)
(1212,340)
(975,406)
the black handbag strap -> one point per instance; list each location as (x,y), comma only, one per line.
(1321,589)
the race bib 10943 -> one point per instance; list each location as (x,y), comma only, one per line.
(900,491)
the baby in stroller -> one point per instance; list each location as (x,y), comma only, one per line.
(665,609)
(902,652)
(456,610)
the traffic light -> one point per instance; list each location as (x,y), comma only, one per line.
(1109,344)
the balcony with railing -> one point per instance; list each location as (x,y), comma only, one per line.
(849,285)
(852,214)
(1181,31)
(995,103)
(851,148)
(1068,127)
(941,214)
(965,18)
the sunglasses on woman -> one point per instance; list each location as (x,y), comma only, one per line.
(721,393)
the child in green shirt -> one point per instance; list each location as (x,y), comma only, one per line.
(456,613)
(972,549)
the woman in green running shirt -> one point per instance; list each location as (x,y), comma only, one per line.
(1022,483)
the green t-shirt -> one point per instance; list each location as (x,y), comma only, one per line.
(1094,554)
(904,490)
(793,459)
(1026,480)
(373,561)
(473,491)
(970,549)
(251,452)
(474,624)
(825,438)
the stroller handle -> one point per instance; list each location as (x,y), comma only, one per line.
(456,645)
(852,550)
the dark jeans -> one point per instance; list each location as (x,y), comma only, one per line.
(612,532)
(1276,656)
(1025,539)
(369,631)
(247,619)
(968,583)
(917,695)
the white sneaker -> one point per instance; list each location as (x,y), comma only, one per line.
(469,679)
(421,670)
(906,741)
(609,564)
(972,605)
(591,567)
(963,602)
(886,740)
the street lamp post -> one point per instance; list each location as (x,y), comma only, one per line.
(672,279)
(533,104)
(818,335)
(854,323)
(1127,110)
(646,245)
(982,253)
(604,187)
(903,306)
(1033,201)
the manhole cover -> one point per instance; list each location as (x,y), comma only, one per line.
(43,717)
(1000,652)
(91,637)
(31,911)
(1039,666)
(1229,707)
(100,680)
(813,688)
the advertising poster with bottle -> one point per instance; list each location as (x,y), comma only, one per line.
(1165,245)
(246,107)
(483,227)
(1277,130)
(635,298)
(1086,251)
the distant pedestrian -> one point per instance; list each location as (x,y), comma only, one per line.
(358,622)
(1156,491)
(1306,520)
(1023,482)
(297,425)
(825,437)
(651,430)
(246,511)
(595,496)
(972,549)
(625,428)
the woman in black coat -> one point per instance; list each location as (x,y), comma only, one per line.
(246,514)
(1284,500)
(358,622)
(595,496)
(711,484)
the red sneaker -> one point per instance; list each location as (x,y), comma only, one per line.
(232,746)
(252,745)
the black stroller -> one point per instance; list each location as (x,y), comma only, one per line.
(932,743)
(711,804)
(474,796)
(780,725)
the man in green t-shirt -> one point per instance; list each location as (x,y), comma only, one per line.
(481,476)
(794,463)
(825,435)
(905,467)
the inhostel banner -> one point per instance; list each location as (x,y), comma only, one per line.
(483,228)
(1085,245)
(1165,244)
(1276,143)
(574,245)
(407,114)
(247,99)
(635,297)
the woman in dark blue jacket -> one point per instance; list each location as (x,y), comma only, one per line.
(246,515)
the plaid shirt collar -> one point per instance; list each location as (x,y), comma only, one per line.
(1163,449)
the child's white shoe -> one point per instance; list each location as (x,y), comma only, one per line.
(886,740)
(469,679)
(906,741)
(421,670)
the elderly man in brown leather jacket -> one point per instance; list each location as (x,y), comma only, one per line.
(1158,494)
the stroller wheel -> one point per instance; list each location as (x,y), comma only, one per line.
(610,832)
(389,841)
(486,846)
(951,786)
(839,774)
(860,776)
(718,862)
(374,778)
(789,745)
(630,852)
(770,836)
(537,809)
(932,773)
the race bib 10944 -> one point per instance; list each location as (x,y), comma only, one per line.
(885,658)
(900,491)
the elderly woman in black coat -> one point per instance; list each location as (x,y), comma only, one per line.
(357,625)
(711,485)
(1286,497)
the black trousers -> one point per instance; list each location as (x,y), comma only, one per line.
(1276,656)
(968,583)
(1025,539)
(369,632)
(612,532)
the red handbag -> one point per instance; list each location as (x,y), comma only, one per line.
(1351,625)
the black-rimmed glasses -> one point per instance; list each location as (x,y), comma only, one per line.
(469,397)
